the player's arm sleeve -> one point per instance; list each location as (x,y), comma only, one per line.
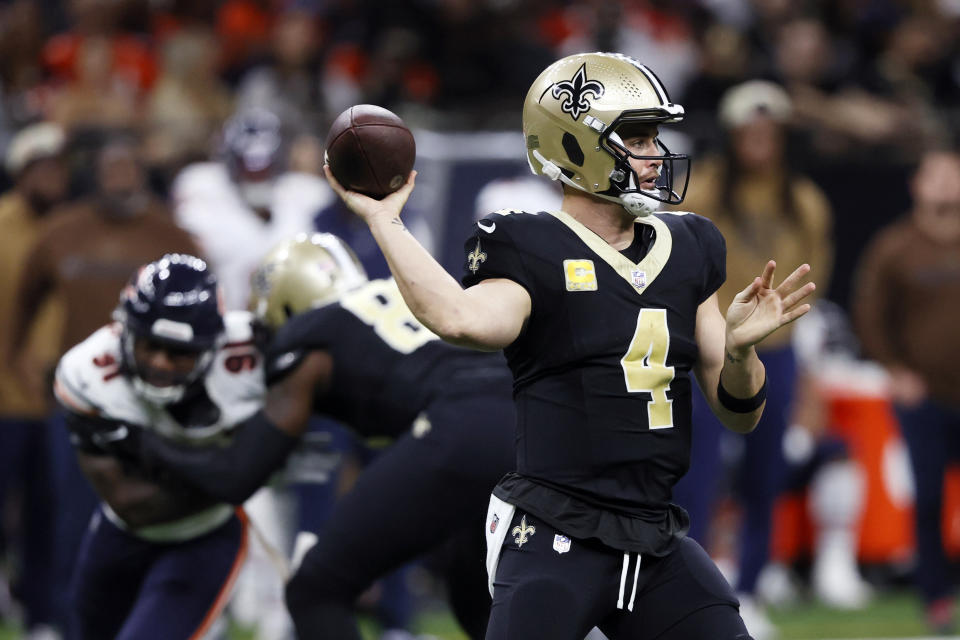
(714,249)
(494,254)
(261,443)
(231,473)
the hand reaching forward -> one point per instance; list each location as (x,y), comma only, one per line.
(367,208)
(759,310)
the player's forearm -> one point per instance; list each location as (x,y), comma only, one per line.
(138,502)
(231,473)
(433,295)
(742,377)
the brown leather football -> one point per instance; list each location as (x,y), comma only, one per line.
(370,150)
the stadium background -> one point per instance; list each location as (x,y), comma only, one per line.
(874,82)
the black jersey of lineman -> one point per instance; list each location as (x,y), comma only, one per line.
(387,367)
(602,369)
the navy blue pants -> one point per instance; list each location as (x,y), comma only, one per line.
(128,589)
(75,503)
(544,590)
(761,473)
(932,434)
(418,495)
(24,467)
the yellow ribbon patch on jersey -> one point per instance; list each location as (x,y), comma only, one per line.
(580,275)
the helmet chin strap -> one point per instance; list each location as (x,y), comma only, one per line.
(636,204)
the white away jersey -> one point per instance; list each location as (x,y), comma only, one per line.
(234,238)
(88,380)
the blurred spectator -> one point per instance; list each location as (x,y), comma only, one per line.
(243,28)
(832,100)
(288,82)
(95,98)
(35,163)
(763,208)
(241,205)
(21,69)
(84,254)
(658,34)
(908,284)
(123,58)
(189,104)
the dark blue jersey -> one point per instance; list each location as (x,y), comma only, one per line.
(602,369)
(387,367)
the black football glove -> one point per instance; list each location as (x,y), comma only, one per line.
(103,436)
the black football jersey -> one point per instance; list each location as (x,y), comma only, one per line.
(602,368)
(386,365)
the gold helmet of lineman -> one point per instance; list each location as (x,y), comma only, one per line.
(307,271)
(574,120)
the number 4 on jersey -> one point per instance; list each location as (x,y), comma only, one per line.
(645,366)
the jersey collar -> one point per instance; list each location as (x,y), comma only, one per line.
(650,266)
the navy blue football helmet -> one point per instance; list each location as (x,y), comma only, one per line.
(254,150)
(175,302)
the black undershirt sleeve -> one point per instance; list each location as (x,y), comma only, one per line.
(231,473)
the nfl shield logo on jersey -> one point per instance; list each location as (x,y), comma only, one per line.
(561,544)
(494,522)
(639,278)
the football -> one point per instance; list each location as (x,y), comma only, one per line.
(370,150)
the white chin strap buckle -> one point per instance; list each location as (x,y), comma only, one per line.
(638,204)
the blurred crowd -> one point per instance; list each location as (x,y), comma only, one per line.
(129,128)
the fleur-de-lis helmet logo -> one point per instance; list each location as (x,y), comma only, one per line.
(576,92)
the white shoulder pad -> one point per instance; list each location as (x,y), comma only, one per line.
(673,213)
(200,179)
(88,379)
(236,381)
(303,191)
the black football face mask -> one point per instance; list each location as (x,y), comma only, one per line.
(670,186)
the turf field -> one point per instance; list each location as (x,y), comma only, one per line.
(891,616)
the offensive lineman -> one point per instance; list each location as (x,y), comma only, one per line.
(349,349)
(603,310)
(159,558)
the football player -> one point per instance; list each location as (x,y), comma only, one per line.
(603,310)
(159,557)
(349,349)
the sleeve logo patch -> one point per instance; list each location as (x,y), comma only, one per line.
(580,275)
(475,258)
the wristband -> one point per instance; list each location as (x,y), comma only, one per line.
(742,405)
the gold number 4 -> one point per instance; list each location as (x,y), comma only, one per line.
(645,366)
(380,305)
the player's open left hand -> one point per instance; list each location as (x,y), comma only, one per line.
(370,209)
(761,309)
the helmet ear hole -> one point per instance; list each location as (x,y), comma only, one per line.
(572,147)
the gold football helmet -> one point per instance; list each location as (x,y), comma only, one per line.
(305,272)
(572,117)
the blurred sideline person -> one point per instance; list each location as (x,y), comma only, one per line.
(238,206)
(762,207)
(159,558)
(349,348)
(246,201)
(908,283)
(83,254)
(35,163)
(603,309)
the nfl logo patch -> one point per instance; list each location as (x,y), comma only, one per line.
(494,522)
(561,544)
(639,278)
